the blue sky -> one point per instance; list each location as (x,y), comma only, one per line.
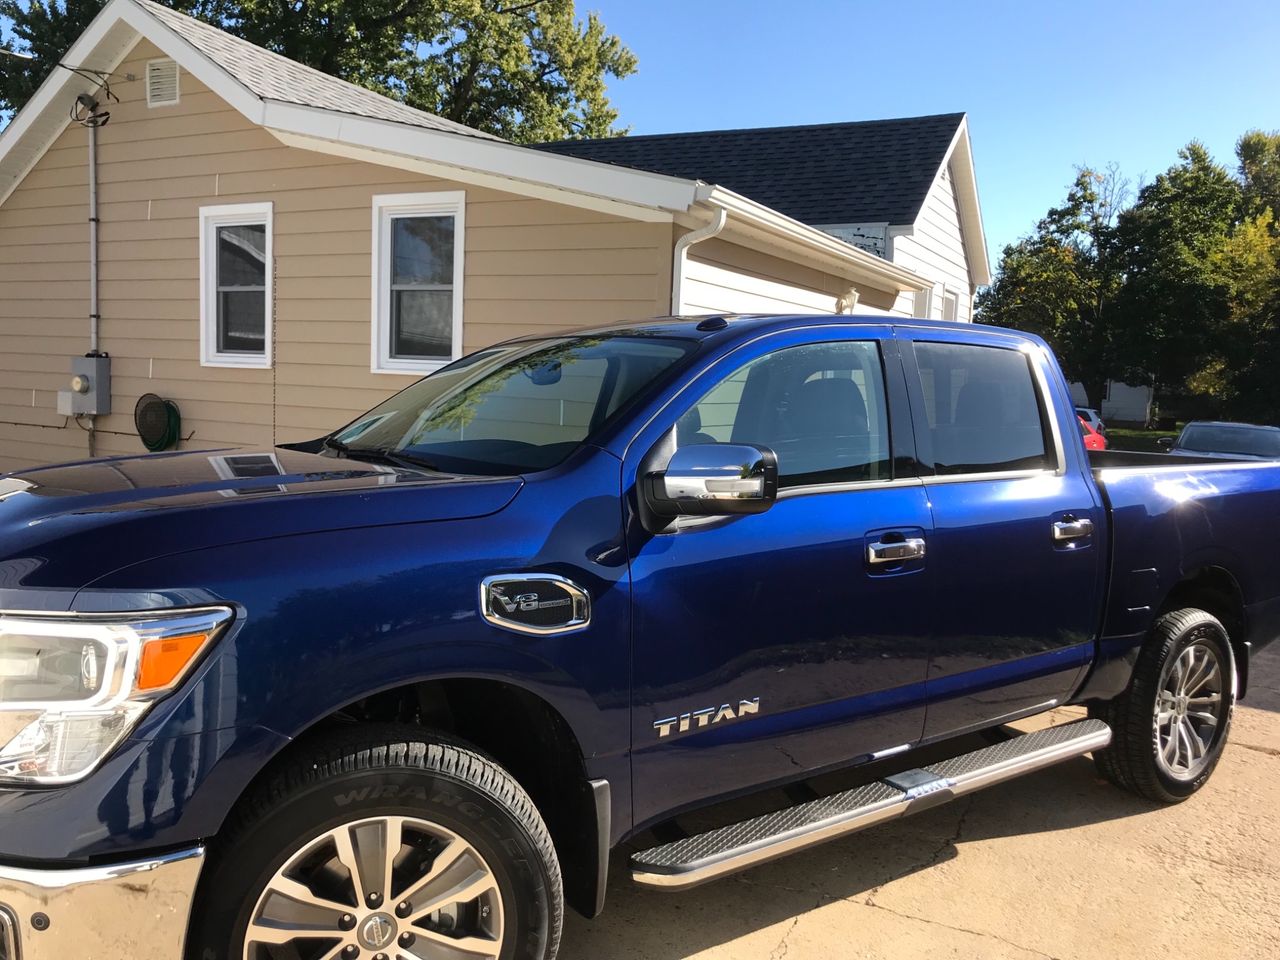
(1047,86)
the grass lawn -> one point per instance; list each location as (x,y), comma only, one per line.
(1119,438)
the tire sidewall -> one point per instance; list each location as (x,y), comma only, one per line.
(1208,631)
(239,876)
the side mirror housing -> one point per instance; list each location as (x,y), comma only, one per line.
(714,480)
(1166,442)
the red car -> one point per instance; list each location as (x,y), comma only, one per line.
(1093,440)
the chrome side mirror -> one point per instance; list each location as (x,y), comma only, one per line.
(715,479)
(1166,442)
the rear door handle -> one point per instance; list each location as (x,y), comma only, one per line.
(1072,529)
(912,548)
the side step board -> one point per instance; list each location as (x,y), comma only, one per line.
(694,860)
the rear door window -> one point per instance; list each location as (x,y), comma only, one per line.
(982,410)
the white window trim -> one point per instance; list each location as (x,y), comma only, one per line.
(232,215)
(954,295)
(387,207)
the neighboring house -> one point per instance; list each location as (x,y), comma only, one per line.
(902,189)
(1122,402)
(279,251)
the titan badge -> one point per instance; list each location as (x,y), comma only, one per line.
(706,717)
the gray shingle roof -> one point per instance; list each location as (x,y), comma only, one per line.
(874,171)
(270,76)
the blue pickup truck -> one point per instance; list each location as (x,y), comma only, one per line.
(398,692)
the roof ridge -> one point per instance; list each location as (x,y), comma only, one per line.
(838,124)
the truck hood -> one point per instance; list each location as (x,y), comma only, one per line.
(65,525)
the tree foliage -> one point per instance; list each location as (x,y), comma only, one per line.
(527,70)
(1180,289)
(1062,282)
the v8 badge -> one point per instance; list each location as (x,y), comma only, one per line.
(538,603)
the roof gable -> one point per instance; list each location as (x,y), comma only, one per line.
(269,76)
(874,171)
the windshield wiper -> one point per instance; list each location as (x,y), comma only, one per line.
(380,455)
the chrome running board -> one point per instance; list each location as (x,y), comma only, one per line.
(708,856)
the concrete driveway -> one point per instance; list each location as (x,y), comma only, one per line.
(1058,864)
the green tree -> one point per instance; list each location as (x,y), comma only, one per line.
(1062,282)
(1175,295)
(1259,156)
(527,70)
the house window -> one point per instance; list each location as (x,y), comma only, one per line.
(923,303)
(235,284)
(950,305)
(417,281)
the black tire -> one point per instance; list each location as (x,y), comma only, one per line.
(384,771)
(1131,762)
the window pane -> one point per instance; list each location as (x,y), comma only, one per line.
(982,409)
(422,323)
(422,250)
(820,407)
(242,321)
(242,256)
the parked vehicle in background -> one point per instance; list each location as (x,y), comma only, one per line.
(398,691)
(1225,441)
(1093,440)
(1093,419)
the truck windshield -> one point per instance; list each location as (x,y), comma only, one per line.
(1216,438)
(515,408)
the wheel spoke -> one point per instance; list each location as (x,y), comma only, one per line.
(1194,743)
(1203,678)
(1208,718)
(373,851)
(273,935)
(478,883)
(445,859)
(302,894)
(463,946)
(347,857)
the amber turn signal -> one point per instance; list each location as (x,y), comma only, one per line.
(166,658)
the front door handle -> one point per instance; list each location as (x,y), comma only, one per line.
(912,548)
(1072,529)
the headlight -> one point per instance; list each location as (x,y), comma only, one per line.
(72,688)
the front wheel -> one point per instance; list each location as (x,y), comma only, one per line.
(385,845)
(1170,726)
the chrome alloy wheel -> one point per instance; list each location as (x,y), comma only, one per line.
(1190,707)
(390,888)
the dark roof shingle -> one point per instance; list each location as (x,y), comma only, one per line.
(873,171)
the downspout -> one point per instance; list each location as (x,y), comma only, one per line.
(682,247)
(92,123)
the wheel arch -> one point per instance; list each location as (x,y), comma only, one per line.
(517,728)
(1216,590)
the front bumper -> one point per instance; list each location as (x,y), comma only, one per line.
(124,911)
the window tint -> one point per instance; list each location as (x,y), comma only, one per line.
(1216,438)
(820,407)
(982,409)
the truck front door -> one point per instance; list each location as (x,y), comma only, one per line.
(768,646)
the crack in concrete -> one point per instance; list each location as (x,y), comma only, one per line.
(976,933)
(781,949)
(1266,751)
(949,843)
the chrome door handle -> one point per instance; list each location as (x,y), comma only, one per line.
(910,549)
(1072,529)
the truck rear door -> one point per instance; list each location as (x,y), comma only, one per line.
(1017,543)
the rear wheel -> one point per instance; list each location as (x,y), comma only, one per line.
(384,847)
(1170,727)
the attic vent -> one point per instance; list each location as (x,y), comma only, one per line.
(162,83)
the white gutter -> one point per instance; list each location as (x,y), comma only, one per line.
(810,245)
(678,259)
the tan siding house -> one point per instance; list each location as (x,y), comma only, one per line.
(335,208)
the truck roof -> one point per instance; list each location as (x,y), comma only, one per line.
(705,326)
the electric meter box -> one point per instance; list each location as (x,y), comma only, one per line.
(90,388)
